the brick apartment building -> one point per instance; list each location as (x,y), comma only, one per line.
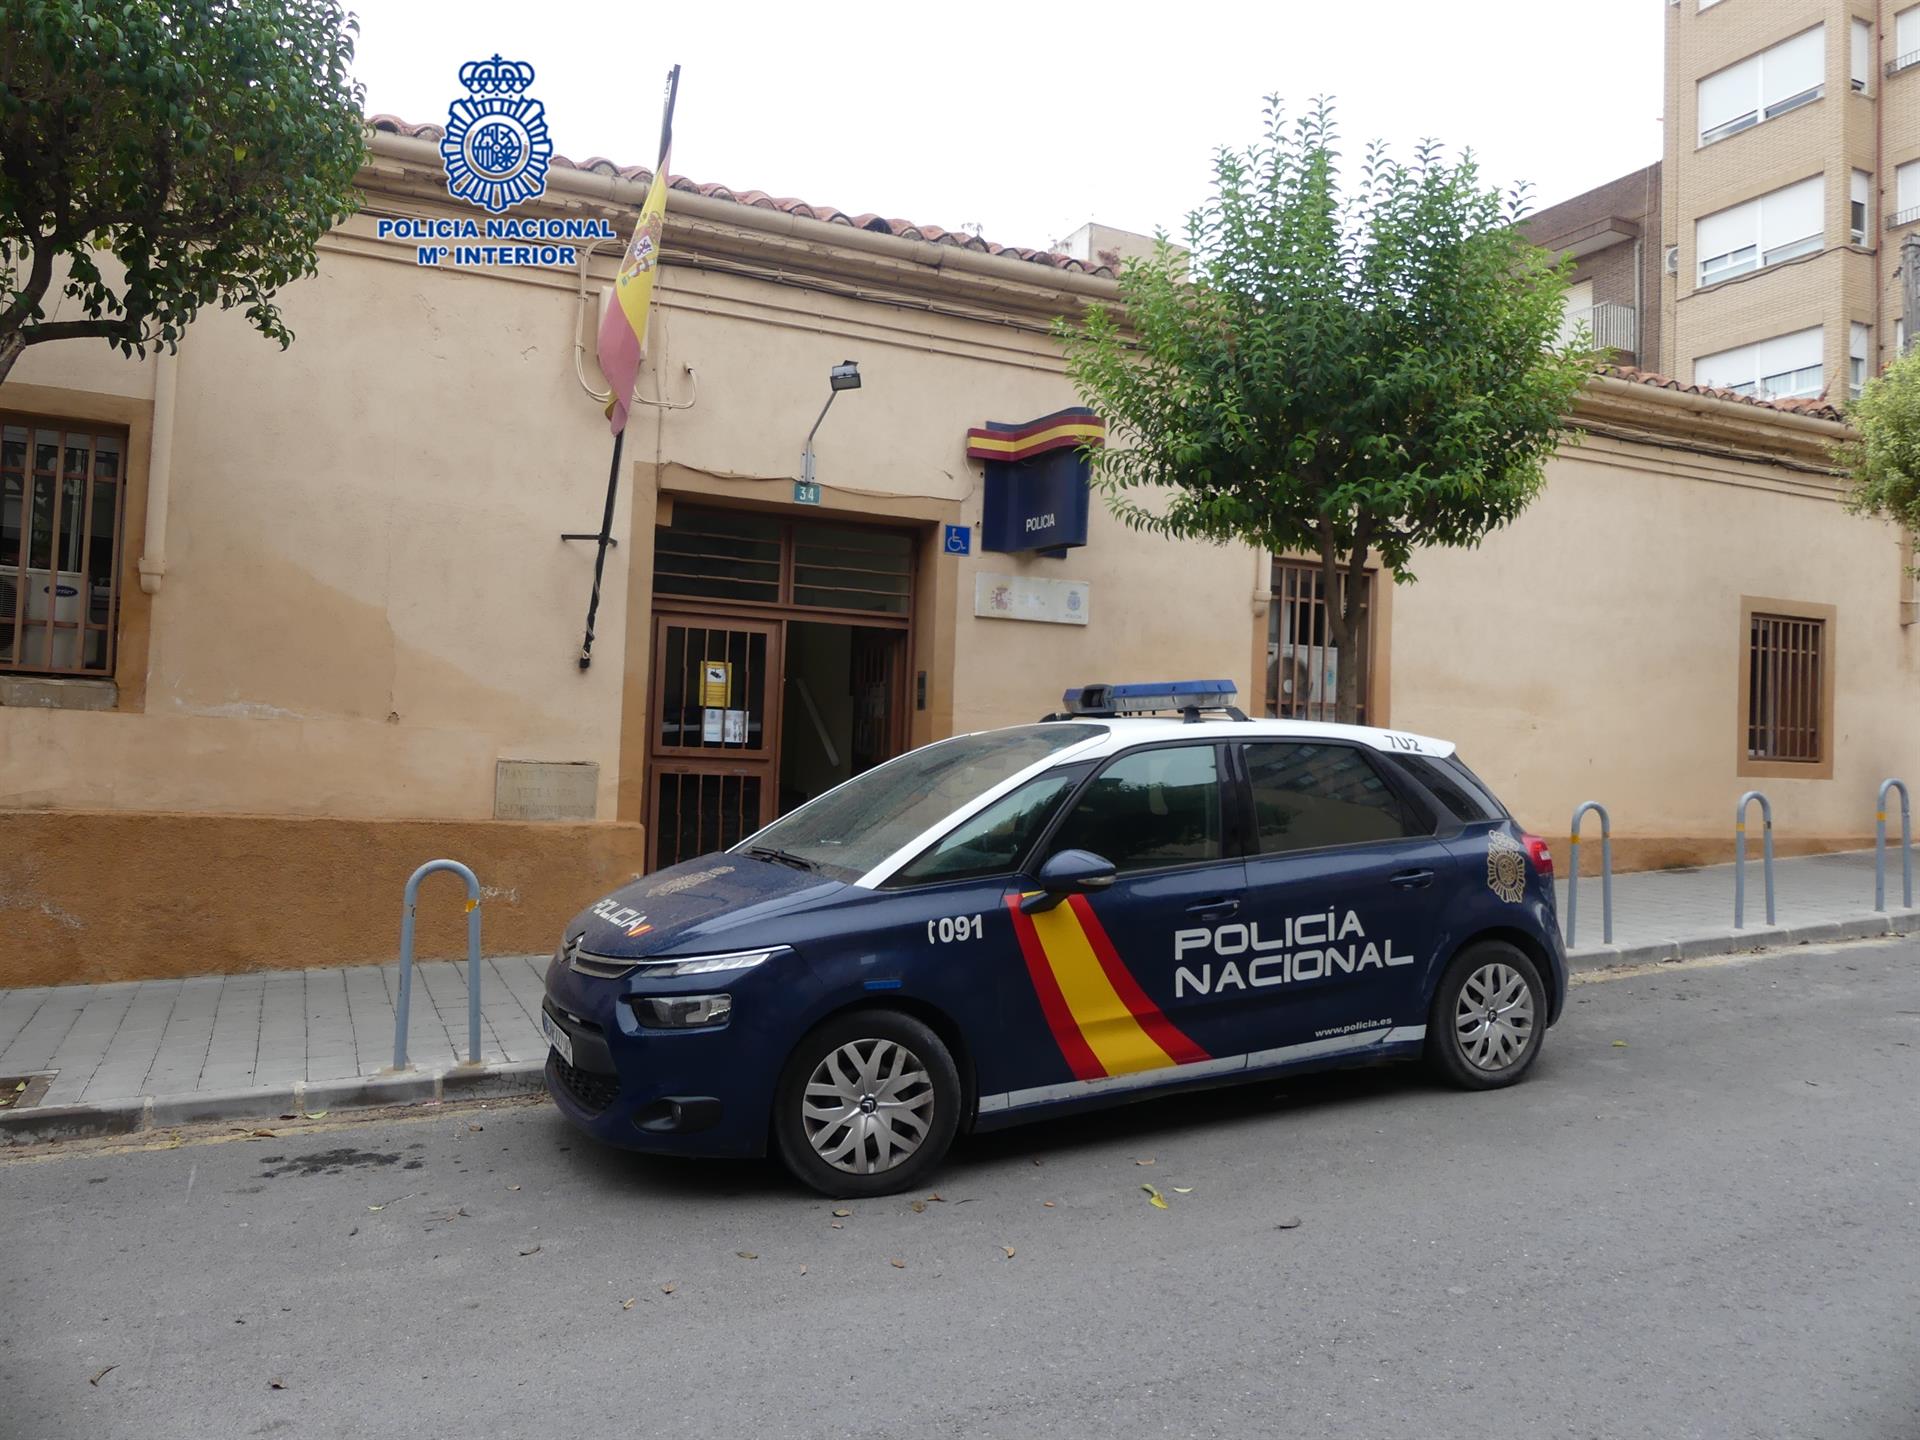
(1613,233)
(1791,174)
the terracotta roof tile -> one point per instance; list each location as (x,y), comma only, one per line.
(1816,408)
(880,224)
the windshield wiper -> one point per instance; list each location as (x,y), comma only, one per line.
(783,857)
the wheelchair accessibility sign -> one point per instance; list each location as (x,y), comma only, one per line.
(958,540)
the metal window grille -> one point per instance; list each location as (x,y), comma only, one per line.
(764,560)
(62,503)
(1303,669)
(1786,672)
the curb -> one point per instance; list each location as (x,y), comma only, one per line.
(1739,942)
(141,1113)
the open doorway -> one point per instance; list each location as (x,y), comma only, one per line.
(837,707)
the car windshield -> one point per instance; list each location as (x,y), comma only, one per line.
(852,828)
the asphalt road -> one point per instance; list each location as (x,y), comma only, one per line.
(1713,1230)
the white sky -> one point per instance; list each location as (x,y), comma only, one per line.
(1030,120)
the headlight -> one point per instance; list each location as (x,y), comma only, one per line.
(681,1012)
(669,968)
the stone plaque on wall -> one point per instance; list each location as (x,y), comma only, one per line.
(545,789)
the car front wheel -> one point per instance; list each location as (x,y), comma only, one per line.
(867,1105)
(1488,1018)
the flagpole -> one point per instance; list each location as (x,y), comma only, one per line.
(613,470)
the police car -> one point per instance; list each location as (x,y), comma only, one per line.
(1147,893)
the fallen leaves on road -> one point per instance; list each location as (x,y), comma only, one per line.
(100,1375)
(276,1384)
(1292,1222)
(534,1250)
(936,1198)
(669,1287)
(843,1213)
(1155,1198)
(1183,1189)
(1009,1251)
(628,1304)
(1047,1203)
(919,1207)
(476,1128)
(262,1135)
(898,1264)
(746,1254)
(1147,1161)
(513,1187)
(838,1226)
(314,1115)
(803,1269)
(1619,1044)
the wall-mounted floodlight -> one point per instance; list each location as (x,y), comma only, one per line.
(844,376)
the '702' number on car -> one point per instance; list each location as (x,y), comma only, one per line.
(949,928)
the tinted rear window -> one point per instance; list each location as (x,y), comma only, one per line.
(1454,786)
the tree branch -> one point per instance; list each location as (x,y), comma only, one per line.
(125,329)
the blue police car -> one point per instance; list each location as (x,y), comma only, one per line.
(1145,893)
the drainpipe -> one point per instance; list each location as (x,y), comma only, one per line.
(153,560)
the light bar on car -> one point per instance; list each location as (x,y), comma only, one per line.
(1147,697)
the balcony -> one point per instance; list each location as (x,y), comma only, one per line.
(1614,327)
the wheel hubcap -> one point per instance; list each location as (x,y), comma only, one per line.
(868,1106)
(1494,1017)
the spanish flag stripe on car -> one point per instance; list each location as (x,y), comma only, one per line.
(1101,1019)
(1161,1030)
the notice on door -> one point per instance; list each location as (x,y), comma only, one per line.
(716,683)
(711,722)
(735,728)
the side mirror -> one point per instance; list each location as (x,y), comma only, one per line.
(1071,872)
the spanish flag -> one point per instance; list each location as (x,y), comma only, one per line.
(623,330)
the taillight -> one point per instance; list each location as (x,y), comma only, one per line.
(1539,854)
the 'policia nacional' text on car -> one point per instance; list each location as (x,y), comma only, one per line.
(1145,893)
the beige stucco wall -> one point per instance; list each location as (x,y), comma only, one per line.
(1591,650)
(365,602)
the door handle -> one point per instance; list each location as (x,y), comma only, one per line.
(1412,879)
(1214,909)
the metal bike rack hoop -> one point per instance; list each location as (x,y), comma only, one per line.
(406,960)
(1740,855)
(1606,871)
(1880,845)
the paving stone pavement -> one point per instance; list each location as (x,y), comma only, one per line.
(219,1033)
(1694,905)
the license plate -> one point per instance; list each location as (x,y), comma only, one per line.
(556,1037)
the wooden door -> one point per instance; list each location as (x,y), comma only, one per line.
(714,742)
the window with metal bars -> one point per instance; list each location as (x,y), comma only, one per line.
(1785,678)
(1303,668)
(62,499)
(765,560)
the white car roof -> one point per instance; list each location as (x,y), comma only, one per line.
(1125,732)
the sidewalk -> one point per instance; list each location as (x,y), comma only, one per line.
(1679,914)
(113,1059)
(147,1053)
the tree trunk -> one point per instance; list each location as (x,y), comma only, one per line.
(1344,586)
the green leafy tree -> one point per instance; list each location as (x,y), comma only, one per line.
(1884,459)
(1342,374)
(157,156)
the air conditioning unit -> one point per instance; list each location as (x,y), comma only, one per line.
(61,594)
(1673,259)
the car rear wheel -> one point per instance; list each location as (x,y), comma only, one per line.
(1488,1017)
(867,1105)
